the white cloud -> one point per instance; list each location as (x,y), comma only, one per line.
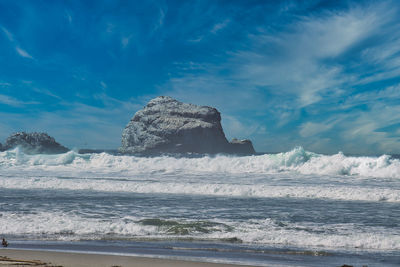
(10,101)
(294,62)
(279,75)
(23,53)
(103,84)
(383,59)
(239,128)
(382,52)
(4,84)
(310,128)
(388,94)
(19,50)
(219,26)
(125,41)
(196,39)
(8,34)
(362,130)
(160,22)
(214,30)
(46,92)
(332,35)
(68,17)
(289,65)
(359,130)
(225,93)
(13,102)
(110,27)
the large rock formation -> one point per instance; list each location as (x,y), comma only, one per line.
(34,143)
(166,125)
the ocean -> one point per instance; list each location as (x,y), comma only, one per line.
(296,208)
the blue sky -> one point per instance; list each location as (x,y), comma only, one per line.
(321,74)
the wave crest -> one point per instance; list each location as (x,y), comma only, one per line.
(297,160)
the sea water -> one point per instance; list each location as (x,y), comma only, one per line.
(288,209)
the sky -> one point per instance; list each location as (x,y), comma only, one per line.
(324,75)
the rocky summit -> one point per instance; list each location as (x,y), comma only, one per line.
(166,125)
(34,143)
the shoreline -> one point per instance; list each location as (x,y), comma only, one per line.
(44,258)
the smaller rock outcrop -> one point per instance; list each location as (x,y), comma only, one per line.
(244,146)
(34,143)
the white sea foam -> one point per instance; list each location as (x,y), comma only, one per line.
(339,192)
(296,161)
(64,226)
(317,235)
(295,174)
(61,226)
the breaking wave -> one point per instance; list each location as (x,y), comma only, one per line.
(296,174)
(70,227)
(297,160)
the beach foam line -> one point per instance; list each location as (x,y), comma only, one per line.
(84,259)
(72,227)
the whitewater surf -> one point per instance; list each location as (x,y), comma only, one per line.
(297,204)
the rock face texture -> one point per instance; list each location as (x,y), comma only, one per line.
(34,143)
(166,125)
(241,146)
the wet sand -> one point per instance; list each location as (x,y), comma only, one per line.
(15,257)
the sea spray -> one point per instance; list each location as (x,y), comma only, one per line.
(295,161)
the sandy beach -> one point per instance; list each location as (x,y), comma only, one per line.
(14,257)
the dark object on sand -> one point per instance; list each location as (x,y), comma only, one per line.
(345,265)
(16,262)
(4,243)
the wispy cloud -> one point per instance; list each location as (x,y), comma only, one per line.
(5,84)
(68,16)
(211,89)
(18,49)
(11,101)
(46,92)
(160,21)
(362,132)
(213,31)
(286,73)
(110,27)
(235,127)
(125,41)
(312,64)
(382,59)
(310,128)
(196,39)
(299,61)
(9,35)
(219,26)
(103,84)
(23,53)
